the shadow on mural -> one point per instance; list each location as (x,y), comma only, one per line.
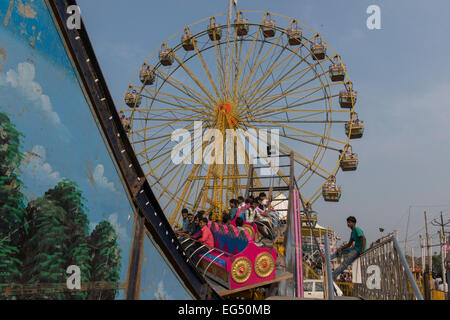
(41,238)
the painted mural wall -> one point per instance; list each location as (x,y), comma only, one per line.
(62,201)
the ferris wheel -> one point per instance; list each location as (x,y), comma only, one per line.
(261,71)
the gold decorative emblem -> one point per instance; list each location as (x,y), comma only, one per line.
(241,269)
(249,230)
(264,265)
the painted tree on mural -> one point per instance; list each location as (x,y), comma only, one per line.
(39,241)
(11,201)
(106,264)
(43,251)
(70,199)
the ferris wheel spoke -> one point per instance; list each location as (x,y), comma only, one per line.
(263,103)
(257,89)
(187,102)
(244,88)
(179,86)
(262,153)
(289,91)
(260,81)
(308,165)
(291,110)
(259,62)
(175,111)
(164,138)
(206,69)
(169,152)
(284,78)
(185,194)
(292,107)
(192,172)
(298,130)
(273,68)
(310,142)
(220,66)
(247,56)
(230,55)
(311,166)
(211,98)
(169,123)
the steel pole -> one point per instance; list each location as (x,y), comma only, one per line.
(328,262)
(414,285)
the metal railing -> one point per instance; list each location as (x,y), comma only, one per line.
(346,287)
(384,274)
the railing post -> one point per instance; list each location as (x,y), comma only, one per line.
(414,285)
(328,263)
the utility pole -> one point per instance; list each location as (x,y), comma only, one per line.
(407,227)
(412,258)
(443,258)
(428,244)
(422,253)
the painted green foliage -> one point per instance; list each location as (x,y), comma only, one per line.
(105,259)
(51,233)
(11,201)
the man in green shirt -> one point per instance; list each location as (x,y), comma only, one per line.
(357,237)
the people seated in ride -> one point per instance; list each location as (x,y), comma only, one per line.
(211,219)
(272,213)
(226,220)
(241,202)
(233,208)
(262,213)
(190,227)
(194,226)
(263,221)
(202,214)
(250,213)
(204,235)
(262,196)
(240,227)
(185,223)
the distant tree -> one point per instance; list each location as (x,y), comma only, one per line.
(105,253)
(12,208)
(437,265)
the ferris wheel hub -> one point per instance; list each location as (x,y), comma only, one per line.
(226,108)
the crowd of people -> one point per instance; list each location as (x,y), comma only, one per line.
(256,210)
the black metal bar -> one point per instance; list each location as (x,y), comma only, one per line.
(260,189)
(81,53)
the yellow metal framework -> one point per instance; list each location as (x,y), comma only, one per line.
(243,83)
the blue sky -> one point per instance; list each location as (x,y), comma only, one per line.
(43,99)
(400,73)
